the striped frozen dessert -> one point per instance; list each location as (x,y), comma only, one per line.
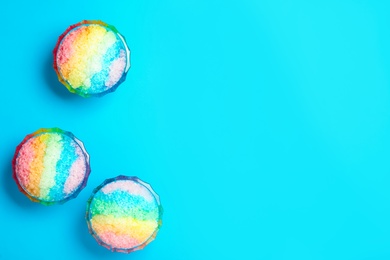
(91,58)
(51,166)
(124,214)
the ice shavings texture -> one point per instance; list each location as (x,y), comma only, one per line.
(124,215)
(91,59)
(50,166)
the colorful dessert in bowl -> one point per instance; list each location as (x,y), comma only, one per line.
(91,58)
(124,214)
(51,166)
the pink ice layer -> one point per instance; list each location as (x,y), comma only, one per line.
(118,241)
(23,166)
(117,68)
(67,49)
(76,174)
(130,187)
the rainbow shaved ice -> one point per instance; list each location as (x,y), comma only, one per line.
(51,166)
(124,214)
(91,58)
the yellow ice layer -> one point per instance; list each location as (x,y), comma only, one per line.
(37,165)
(140,230)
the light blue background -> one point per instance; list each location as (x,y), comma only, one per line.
(264,125)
